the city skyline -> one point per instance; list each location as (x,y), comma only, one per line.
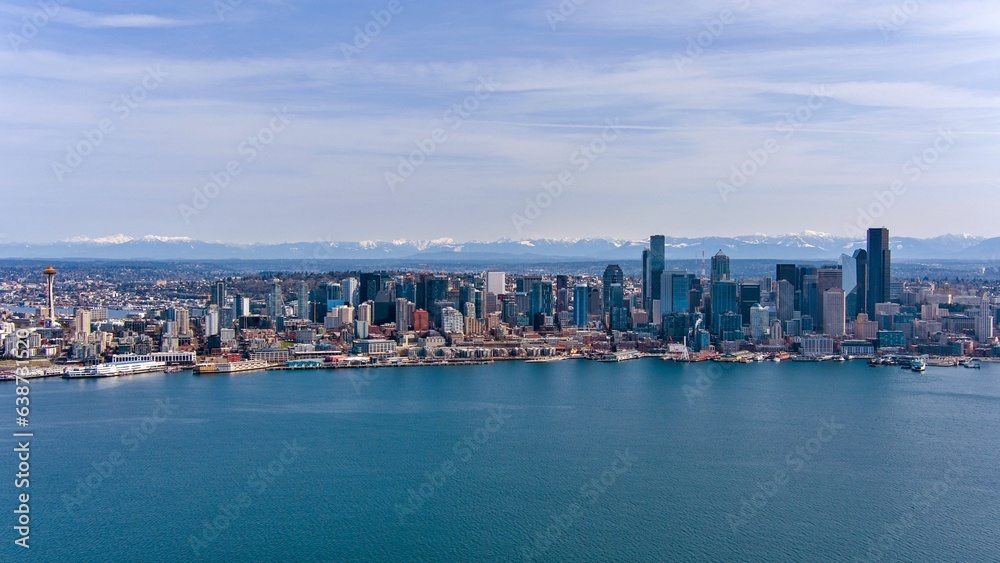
(531,120)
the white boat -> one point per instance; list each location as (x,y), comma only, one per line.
(918,365)
(231,367)
(547,359)
(115,369)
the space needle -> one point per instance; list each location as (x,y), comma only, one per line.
(50,293)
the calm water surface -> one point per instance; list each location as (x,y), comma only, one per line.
(570,461)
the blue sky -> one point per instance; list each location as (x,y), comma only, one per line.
(832,101)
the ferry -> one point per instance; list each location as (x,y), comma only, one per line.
(918,365)
(114,369)
(547,359)
(33,373)
(620,356)
(209,368)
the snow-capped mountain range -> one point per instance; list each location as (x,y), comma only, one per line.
(803,246)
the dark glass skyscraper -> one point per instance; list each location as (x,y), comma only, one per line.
(879,268)
(720,267)
(860,294)
(612,275)
(654,272)
(581,305)
(371,284)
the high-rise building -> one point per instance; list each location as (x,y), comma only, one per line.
(452,321)
(581,304)
(218,295)
(212,321)
(760,322)
(496,282)
(656,264)
(562,293)
(241,306)
(720,267)
(275,304)
(785,272)
(371,284)
(676,296)
(645,279)
(81,321)
(827,278)
(786,300)
(723,301)
(835,312)
(612,275)
(541,298)
(879,268)
(404,314)
(303,301)
(749,296)
(350,288)
(984,321)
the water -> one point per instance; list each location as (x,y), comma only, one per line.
(907,462)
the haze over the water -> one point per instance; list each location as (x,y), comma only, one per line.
(708,118)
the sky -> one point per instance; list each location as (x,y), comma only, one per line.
(283,121)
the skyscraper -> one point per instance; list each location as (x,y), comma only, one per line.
(612,275)
(720,267)
(834,312)
(861,287)
(218,296)
(879,267)
(275,304)
(562,293)
(723,301)
(581,304)
(496,282)
(785,272)
(303,300)
(984,321)
(786,300)
(676,292)
(371,284)
(656,265)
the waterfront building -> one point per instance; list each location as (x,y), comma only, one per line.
(835,312)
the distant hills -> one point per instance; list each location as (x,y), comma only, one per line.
(808,246)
